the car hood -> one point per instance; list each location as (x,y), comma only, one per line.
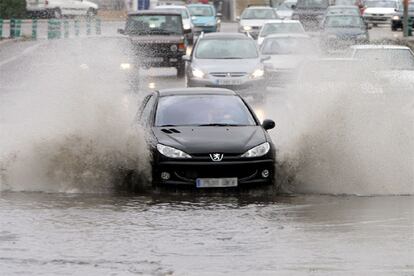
(156,39)
(253,22)
(90,4)
(227,65)
(379,10)
(197,20)
(310,11)
(284,14)
(201,140)
(284,62)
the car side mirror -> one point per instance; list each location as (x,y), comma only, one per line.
(268,124)
(121,31)
(237,18)
(264,58)
(186,58)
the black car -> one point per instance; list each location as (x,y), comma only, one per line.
(206,137)
(158,38)
(342,31)
(397,19)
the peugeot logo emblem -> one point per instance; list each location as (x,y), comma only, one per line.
(216,157)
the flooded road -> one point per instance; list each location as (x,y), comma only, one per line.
(50,234)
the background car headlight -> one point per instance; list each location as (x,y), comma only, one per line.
(212,23)
(171,152)
(258,73)
(247,28)
(125,66)
(198,73)
(395,17)
(257,151)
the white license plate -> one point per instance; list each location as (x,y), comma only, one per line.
(216,182)
(229,82)
(155,60)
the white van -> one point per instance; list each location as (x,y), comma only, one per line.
(59,8)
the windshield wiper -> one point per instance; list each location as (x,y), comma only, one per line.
(218,124)
(232,58)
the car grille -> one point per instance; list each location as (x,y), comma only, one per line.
(228,74)
(151,50)
(377,14)
(217,172)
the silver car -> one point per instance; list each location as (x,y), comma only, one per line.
(229,60)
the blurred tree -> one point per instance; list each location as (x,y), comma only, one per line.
(12,9)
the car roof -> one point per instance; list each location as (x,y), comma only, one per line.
(371,46)
(175,7)
(154,12)
(195,91)
(288,35)
(282,21)
(225,35)
(260,7)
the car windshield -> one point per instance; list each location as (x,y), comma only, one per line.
(258,14)
(281,28)
(226,49)
(203,110)
(288,46)
(183,12)
(312,3)
(348,11)
(381,4)
(344,22)
(201,10)
(396,59)
(153,24)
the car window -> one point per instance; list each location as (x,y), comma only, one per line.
(281,28)
(384,59)
(312,3)
(194,110)
(153,24)
(258,14)
(347,11)
(226,49)
(343,21)
(201,11)
(381,4)
(288,46)
(345,2)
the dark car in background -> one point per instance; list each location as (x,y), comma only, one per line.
(398,17)
(228,60)
(206,138)
(158,39)
(341,31)
(310,13)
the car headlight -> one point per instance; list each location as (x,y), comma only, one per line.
(198,73)
(211,23)
(171,152)
(187,26)
(257,151)
(395,17)
(362,36)
(258,73)
(247,28)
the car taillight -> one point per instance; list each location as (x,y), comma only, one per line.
(181,46)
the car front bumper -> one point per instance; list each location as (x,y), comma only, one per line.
(185,173)
(377,19)
(244,83)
